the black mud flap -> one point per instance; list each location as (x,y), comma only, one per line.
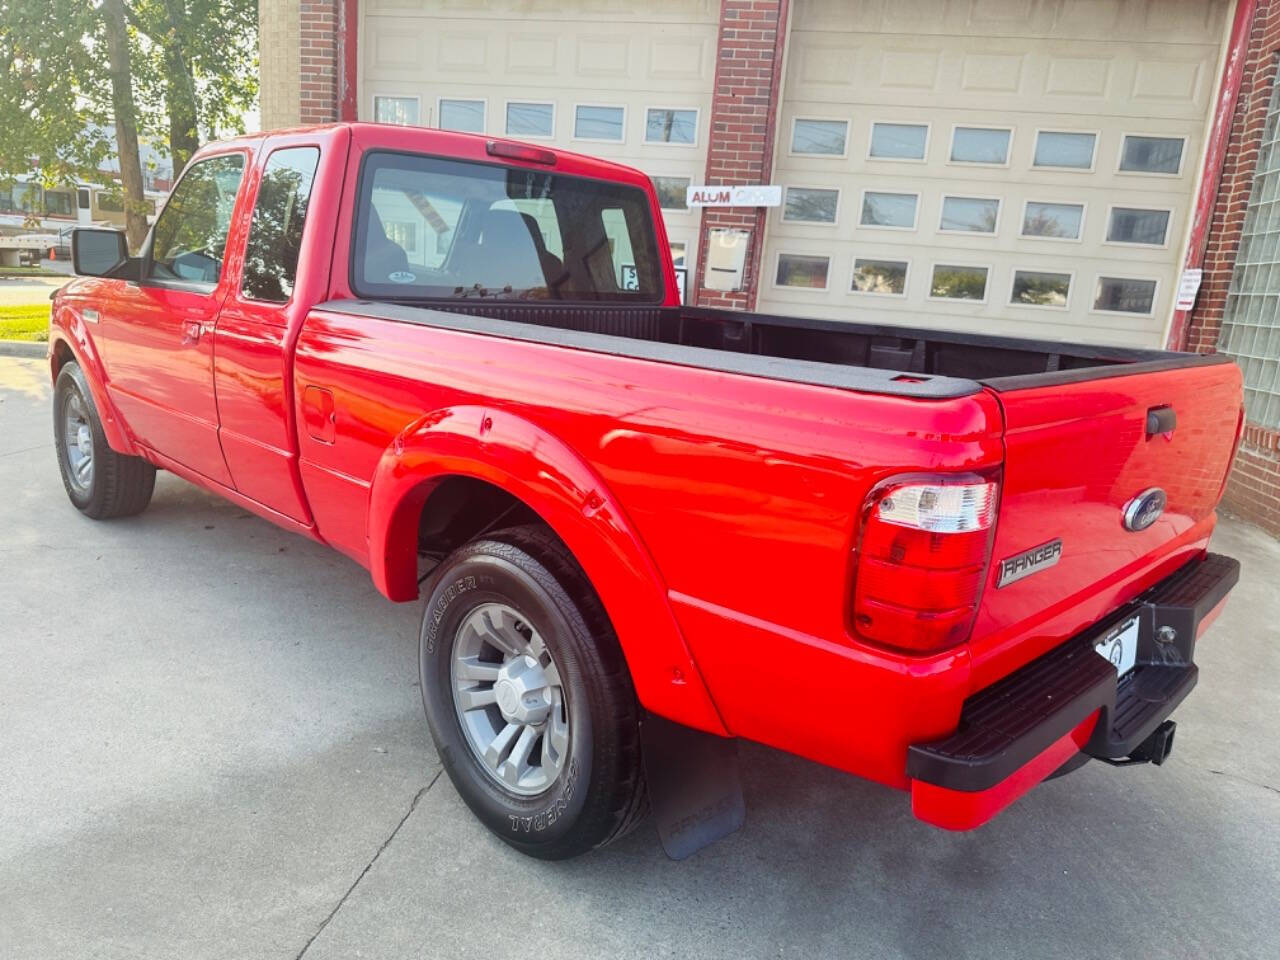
(694,785)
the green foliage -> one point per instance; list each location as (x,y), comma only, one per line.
(25,322)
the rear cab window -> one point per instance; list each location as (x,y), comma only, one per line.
(430,228)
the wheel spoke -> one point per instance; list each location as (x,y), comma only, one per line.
(517,765)
(83,468)
(553,674)
(473,668)
(475,697)
(499,634)
(499,745)
(557,737)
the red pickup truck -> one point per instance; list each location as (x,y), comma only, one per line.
(951,563)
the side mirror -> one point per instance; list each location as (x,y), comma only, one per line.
(96,252)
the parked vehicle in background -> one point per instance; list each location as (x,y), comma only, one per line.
(953,564)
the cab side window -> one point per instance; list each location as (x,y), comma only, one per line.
(190,238)
(275,236)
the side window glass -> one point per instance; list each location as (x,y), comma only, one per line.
(190,238)
(275,236)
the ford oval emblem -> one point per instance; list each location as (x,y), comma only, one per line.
(1144,509)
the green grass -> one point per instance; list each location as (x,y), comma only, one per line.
(29,272)
(28,322)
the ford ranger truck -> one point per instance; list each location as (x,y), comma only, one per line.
(950,563)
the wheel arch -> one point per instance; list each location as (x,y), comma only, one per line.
(506,452)
(69,341)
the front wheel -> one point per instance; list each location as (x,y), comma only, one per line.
(100,482)
(528,698)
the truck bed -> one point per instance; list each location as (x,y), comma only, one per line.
(877,358)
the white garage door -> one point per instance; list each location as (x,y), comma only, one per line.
(1018,167)
(624,81)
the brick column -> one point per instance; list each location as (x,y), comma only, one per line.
(318,76)
(744,114)
(1253,490)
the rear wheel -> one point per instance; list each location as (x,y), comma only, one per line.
(528,698)
(100,482)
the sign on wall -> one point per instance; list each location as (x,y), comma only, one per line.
(727,196)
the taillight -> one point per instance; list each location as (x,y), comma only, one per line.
(922,558)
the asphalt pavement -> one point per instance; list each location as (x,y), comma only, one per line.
(212,746)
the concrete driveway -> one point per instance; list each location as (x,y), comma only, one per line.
(211,745)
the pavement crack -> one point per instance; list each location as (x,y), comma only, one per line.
(1236,776)
(413,805)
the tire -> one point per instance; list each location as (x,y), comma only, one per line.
(524,581)
(112,484)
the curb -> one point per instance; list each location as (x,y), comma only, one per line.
(23,348)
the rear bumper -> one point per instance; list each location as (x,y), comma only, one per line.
(1020,730)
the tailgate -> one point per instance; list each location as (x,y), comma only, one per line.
(1077,454)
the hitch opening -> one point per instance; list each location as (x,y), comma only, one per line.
(1155,749)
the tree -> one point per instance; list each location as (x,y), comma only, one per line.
(176,70)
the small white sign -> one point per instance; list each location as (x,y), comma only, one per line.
(725,196)
(1188,287)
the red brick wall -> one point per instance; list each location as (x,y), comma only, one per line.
(1253,490)
(319,66)
(743,121)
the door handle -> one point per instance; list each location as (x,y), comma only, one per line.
(191,330)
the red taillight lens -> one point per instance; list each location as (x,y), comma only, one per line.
(520,151)
(922,558)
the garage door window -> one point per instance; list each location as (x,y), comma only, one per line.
(1052,221)
(1065,150)
(1122,295)
(401,110)
(822,138)
(1152,155)
(1032,288)
(886,277)
(896,211)
(810,205)
(969,215)
(671,126)
(1133,225)
(958,282)
(980,145)
(806,273)
(530,119)
(464,115)
(898,141)
(672,192)
(598,123)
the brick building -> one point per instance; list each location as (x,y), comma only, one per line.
(1045,168)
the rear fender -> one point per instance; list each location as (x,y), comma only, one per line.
(550,478)
(69,329)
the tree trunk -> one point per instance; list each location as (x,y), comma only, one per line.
(126,122)
(180,93)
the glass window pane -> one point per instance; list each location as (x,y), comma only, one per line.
(952,282)
(969,214)
(880,276)
(1125,296)
(464,115)
(1041,289)
(190,237)
(1056,149)
(810,205)
(402,110)
(980,145)
(888,209)
(672,192)
(898,141)
(275,235)
(799,271)
(671,126)
(1058,220)
(598,123)
(530,119)
(820,137)
(1151,154)
(1131,225)
(432,228)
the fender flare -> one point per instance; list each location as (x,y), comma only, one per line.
(67,328)
(543,472)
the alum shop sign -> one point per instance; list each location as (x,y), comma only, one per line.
(727,196)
